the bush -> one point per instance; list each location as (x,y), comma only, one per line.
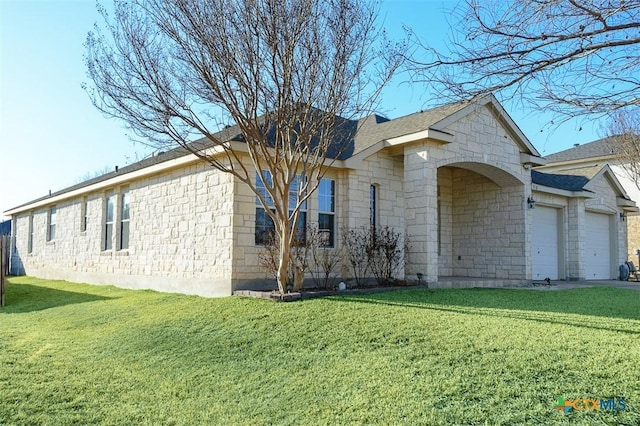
(325,259)
(386,254)
(355,242)
(381,252)
(298,261)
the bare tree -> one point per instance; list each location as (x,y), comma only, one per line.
(286,76)
(624,142)
(575,57)
(94,174)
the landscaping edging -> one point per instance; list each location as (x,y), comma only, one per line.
(311,294)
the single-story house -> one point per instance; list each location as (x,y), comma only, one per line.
(457,179)
(595,155)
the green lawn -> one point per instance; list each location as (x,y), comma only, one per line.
(79,354)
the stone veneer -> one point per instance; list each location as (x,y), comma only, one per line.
(180,236)
(482,187)
(573,213)
(461,203)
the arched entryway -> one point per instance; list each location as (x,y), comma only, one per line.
(481,222)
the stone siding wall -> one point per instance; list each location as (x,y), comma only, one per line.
(247,271)
(482,191)
(488,234)
(633,238)
(179,239)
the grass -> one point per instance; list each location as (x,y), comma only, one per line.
(79,354)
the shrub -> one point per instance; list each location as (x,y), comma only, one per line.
(386,253)
(381,252)
(298,261)
(325,259)
(355,242)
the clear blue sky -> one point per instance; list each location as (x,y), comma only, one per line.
(51,135)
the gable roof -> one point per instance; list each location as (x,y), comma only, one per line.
(371,132)
(559,181)
(596,149)
(354,137)
(578,179)
(373,136)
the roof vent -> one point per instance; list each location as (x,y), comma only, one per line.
(576,144)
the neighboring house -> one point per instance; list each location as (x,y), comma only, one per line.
(594,156)
(457,179)
(5,227)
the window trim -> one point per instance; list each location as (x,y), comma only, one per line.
(122,221)
(83,215)
(30,235)
(107,227)
(329,213)
(52,222)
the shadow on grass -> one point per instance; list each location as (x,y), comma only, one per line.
(21,298)
(595,307)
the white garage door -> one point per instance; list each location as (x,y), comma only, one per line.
(597,250)
(545,243)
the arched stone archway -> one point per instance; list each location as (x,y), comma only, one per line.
(481,222)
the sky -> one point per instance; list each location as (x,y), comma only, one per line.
(51,136)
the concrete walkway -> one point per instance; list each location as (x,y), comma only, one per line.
(564,285)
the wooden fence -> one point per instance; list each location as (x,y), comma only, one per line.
(5,249)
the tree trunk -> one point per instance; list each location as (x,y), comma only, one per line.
(284,251)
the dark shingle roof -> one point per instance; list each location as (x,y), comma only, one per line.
(371,130)
(352,137)
(599,148)
(566,182)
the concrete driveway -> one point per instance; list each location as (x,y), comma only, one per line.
(564,285)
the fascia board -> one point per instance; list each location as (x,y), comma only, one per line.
(526,158)
(126,178)
(623,202)
(114,181)
(430,133)
(561,192)
(355,162)
(581,161)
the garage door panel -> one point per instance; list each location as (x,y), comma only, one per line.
(597,253)
(545,243)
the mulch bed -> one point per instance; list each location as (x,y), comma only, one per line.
(310,294)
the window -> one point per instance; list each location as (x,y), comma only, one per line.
(439,219)
(108,222)
(51,229)
(30,236)
(294,192)
(124,220)
(265,227)
(264,224)
(373,208)
(326,212)
(83,215)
